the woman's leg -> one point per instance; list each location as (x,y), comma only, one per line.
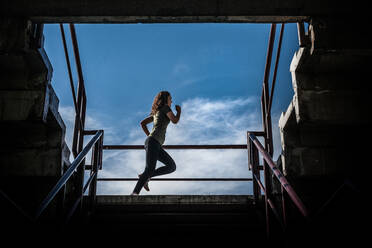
(165,158)
(152,152)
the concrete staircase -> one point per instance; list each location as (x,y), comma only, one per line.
(33,152)
(182,217)
(326,123)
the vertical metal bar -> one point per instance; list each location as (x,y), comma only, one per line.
(283,181)
(268,65)
(263,112)
(269,136)
(265,92)
(93,184)
(68,66)
(81,103)
(77,127)
(101,152)
(256,170)
(266,122)
(284,208)
(77,55)
(252,160)
(276,67)
(81,170)
(267,197)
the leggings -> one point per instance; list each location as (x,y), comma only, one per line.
(154,152)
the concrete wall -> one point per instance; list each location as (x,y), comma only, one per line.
(324,129)
(33,151)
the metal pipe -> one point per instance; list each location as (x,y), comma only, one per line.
(265,90)
(141,147)
(89,181)
(268,65)
(62,181)
(260,183)
(271,204)
(77,55)
(291,193)
(68,66)
(176,179)
(276,67)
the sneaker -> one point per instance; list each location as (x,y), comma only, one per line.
(146,185)
(134,193)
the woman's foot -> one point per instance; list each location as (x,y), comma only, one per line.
(146,185)
(134,193)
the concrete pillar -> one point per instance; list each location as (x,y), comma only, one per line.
(324,129)
(33,152)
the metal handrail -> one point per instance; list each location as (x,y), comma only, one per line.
(283,181)
(276,67)
(141,147)
(62,181)
(179,179)
(69,70)
(74,206)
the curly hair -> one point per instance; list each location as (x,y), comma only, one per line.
(160,100)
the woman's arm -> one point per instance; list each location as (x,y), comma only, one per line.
(144,123)
(175,119)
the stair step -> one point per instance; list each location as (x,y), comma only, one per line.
(174,203)
(112,200)
(220,213)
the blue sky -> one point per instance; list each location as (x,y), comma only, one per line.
(214,71)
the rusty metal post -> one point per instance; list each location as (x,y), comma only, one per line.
(94,172)
(78,138)
(276,67)
(283,181)
(68,67)
(254,163)
(101,151)
(267,197)
(266,117)
(284,206)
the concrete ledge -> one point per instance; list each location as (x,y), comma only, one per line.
(331,107)
(31,162)
(168,11)
(332,61)
(22,105)
(173,199)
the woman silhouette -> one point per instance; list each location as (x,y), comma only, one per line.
(161,114)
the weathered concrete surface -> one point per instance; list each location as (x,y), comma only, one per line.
(206,217)
(132,11)
(33,150)
(327,122)
(175,199)
(340,33)
(323,93)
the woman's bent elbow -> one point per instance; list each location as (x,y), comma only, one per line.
(175,121)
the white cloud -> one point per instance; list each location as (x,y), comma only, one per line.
(92,122)
(203,121)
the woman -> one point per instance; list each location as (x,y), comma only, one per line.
(161,115)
